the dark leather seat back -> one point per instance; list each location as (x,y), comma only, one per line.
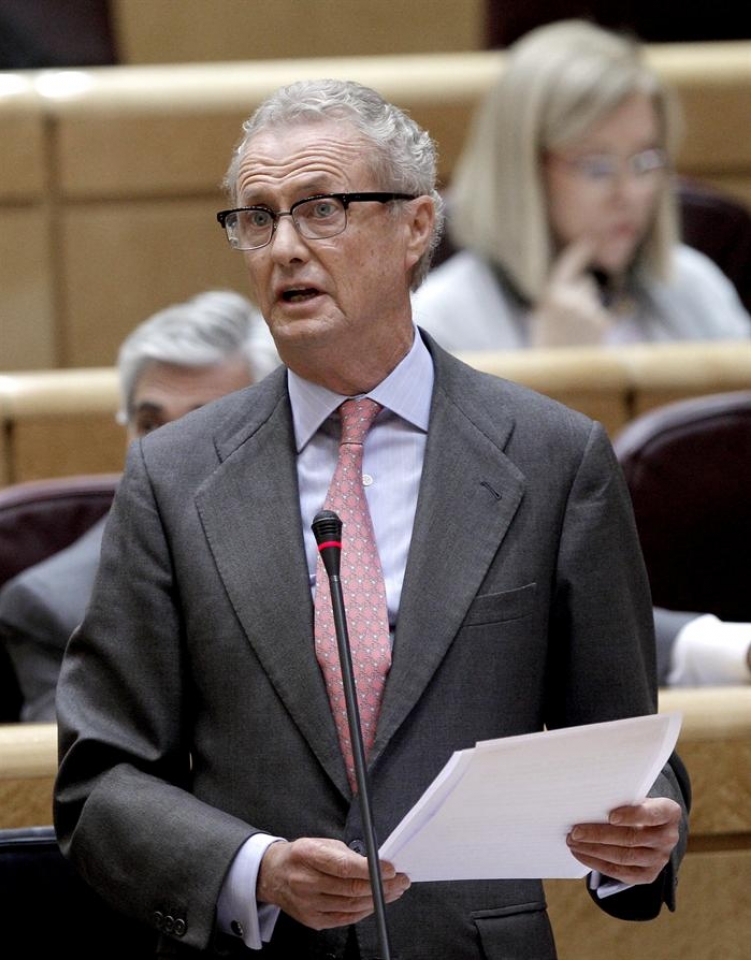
(40,517)
(37,519)
(688,467)
(720,227)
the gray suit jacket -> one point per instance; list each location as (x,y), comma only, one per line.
(39,609)
(192,710)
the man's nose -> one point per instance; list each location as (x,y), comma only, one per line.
(286,241)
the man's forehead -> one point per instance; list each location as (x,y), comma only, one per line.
(325,155)
(160,379)
(323,128)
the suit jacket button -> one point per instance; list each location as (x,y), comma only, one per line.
(168,924)
(157,918)
(358,846)
(237,928)
(180,928)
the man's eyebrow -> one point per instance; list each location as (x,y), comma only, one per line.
(260,198)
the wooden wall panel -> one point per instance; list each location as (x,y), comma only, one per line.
(22,144)
(711,921)
(26,803)
(192,30)
(27,325)
(27,309)
(50,446)
(126,260)
(124,153)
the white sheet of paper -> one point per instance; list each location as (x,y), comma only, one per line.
(503,809)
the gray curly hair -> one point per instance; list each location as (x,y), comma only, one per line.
(403,158)
(207,329)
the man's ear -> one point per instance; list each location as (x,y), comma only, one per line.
(420,225)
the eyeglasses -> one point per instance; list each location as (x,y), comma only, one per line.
(315,218)
(603,168)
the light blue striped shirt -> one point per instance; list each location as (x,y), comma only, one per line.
(392,466)
(392,458)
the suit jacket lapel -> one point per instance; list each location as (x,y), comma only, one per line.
(469,494)
(253,527)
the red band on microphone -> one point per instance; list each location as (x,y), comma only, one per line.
(329,543)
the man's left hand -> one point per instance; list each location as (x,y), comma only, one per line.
(634,845)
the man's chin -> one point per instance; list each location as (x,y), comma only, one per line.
(301,328)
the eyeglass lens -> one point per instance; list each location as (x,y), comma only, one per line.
(603,167)
(315,219)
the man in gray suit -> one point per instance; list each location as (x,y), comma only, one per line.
(177,360)
(202,787)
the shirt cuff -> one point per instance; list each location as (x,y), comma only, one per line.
(239,914)
(605,887)
(710,652)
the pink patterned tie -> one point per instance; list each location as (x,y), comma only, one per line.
(363,587)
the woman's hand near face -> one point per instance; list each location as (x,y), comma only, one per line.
(570,312)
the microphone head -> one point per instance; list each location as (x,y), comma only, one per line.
(327,529)
(327,526)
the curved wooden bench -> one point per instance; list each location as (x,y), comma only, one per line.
(62,422)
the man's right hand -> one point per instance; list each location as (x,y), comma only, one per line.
(322,883)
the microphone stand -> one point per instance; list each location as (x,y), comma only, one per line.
(327,528)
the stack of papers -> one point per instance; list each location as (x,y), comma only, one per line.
(502,809)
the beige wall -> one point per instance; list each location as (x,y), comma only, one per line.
(165,31)
(26,272)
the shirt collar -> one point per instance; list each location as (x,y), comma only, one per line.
(407,391)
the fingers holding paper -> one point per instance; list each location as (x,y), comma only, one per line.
(322,883)
(634,845)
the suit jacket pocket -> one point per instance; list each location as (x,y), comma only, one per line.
(519,932)
(497,607)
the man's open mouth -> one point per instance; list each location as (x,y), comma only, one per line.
(300,295)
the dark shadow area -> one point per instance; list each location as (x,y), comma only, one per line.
(49,912)
(665,22)
(55,33)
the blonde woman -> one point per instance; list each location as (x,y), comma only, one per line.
(563,206)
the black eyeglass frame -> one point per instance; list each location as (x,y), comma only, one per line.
(344,198)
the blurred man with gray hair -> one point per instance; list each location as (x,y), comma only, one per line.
(177,360)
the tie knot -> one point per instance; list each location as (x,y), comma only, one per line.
(357,418)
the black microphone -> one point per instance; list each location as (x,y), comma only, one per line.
(327,528)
